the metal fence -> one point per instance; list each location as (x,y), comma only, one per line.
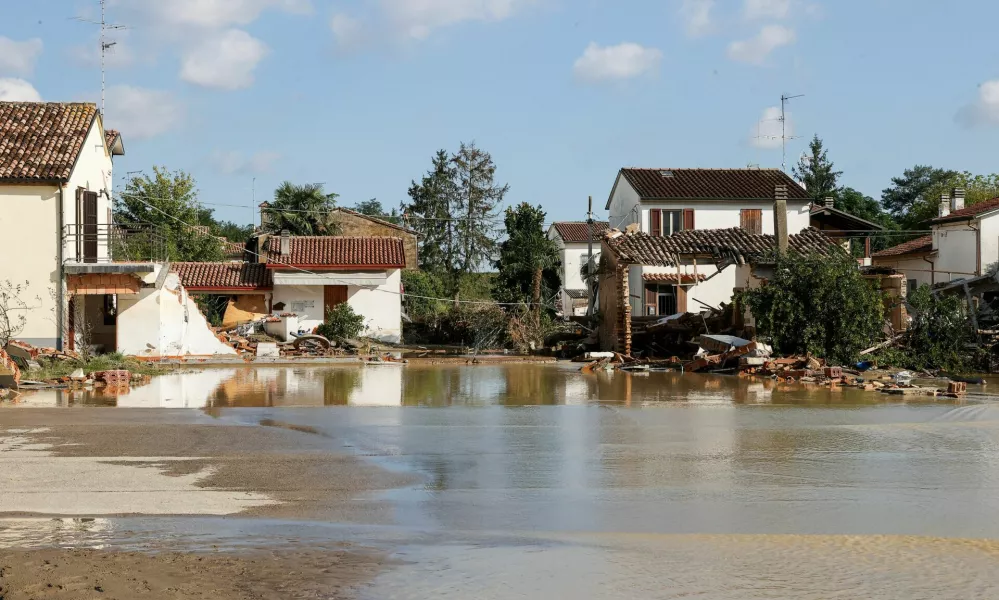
(117,243)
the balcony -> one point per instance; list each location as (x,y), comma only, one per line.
(115,248)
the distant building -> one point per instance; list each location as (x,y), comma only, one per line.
(573,239)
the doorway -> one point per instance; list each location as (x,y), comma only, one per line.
(333,295)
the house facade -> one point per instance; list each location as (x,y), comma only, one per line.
(964,243)
(573,239)
(55,190)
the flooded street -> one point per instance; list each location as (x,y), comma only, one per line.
(523,481)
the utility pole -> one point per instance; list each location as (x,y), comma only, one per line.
(589,261)
(783,129)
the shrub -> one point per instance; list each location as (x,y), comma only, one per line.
(341,323)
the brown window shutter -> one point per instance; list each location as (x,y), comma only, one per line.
(688,218)
(681,298)
(751,220)
(656,222)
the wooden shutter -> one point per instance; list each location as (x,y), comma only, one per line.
(688,218)
(656,222)
(681,299)
(90,233)
(651,300)
(751,220)
(333,295)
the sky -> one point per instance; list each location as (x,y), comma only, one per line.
(359,94)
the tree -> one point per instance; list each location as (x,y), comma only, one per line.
(13,311)
(429,213)
(232,231)
(302,210)
(169,202)
(478,200)
(341,323)
(528,261)
(914,197)
(817,304)
(816,172)
(374,208)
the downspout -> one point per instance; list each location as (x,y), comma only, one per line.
(978,247)
(59,250)
(933,271)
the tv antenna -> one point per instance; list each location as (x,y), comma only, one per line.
(106,44)
(783,129)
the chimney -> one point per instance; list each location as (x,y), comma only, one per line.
(944,205)
(830,202)
(265,216)
(780,216)
(285,243)
(956,199)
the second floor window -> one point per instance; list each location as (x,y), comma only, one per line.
(664,223)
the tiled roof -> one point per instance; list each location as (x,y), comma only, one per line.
(233,250)
(110,135)
(578,232)
(922,244)
(223,276)
(644,249)
(969,212)
(577,294)
(356,252)
(712,184)
(673,277)
(41,141)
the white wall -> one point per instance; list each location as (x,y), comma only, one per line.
(957,251)
(714,291)
(725,215)
(573,258)
(622,204)
(31,245)
(914,267)
(165,322)
(381,306)
(989,241)
(93,173)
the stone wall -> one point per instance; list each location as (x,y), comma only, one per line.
(353,225)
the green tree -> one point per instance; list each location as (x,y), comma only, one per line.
(341,323)
(815,171)
(429,212)
(374,208)
(477,208)
(169,202)
(302,210)
(817,304)
(233,231)
(528,261)
(914,197)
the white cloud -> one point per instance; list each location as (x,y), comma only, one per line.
(697,17)
(210,14)
(19,57)
(225,61)
(624,61)
(417,19)
(18,90)
(347,30)
(984,111)
(767,132)
(141,113)
(234,163)
(756,50)
(767,9)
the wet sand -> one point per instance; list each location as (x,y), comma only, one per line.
(81,574)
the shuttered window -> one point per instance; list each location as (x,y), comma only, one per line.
(656,222)
(668,222)
(751,220)
(688,218)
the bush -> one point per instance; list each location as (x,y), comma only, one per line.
(341,323)
(819,305)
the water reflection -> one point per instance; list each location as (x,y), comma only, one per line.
(441,386)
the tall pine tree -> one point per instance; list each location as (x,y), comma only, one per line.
(429,212)
(815,171)
(478,207)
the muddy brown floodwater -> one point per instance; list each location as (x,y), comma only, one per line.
(508,481)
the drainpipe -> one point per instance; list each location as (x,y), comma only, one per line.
(933,271)
(978,246)
(59,294)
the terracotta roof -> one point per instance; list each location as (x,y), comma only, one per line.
(577,294)
(673,277)
(223,276)
(41,141)
(578,232)
(841,219)
(711,184)
(644,249)
(335,252)
(233,250)
(969,212)
(918,245)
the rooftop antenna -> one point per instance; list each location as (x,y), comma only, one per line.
(105,43)
(783,129)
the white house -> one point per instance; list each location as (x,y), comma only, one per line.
(55,212)
(964,243)
(573,240)
(664,202)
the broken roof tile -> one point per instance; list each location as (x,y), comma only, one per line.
(643,249)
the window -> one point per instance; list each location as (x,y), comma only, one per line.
(664,223)
(751,220)
(664,300)
(910,286)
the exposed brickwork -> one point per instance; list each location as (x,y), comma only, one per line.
(11,366)
(99,284)
(623,320)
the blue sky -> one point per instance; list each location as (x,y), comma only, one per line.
(358,94)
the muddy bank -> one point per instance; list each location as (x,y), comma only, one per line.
(81,574)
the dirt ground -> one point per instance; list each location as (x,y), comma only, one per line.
(59,574)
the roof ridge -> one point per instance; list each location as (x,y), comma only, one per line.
(701,169)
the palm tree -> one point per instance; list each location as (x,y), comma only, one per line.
(302,210)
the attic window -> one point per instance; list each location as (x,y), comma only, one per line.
(666,174)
